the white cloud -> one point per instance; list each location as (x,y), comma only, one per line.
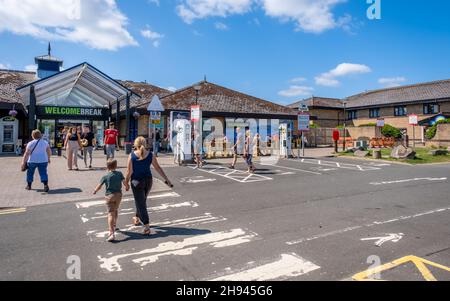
(171,89)
(297,80)
(221,26)
(98,24)
(31,68)
(390,82)
(153,36)
(329,79)
(156,2)
(190,10)
(295,91)
(309,15)
(5,66)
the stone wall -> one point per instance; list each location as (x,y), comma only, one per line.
(442,137)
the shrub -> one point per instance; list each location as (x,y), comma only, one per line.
(367,125)
(390,131)
(431,131)
(313,126)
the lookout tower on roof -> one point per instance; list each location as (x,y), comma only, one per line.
(47,65)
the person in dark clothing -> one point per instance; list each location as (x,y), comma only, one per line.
(157,142)
(140,175)
(88,143)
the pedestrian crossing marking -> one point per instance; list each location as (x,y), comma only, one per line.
(290,265)
(129,211)
(88,204)
(420,264)
(184,247)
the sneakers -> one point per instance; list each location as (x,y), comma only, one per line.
(46,188)
(28,187)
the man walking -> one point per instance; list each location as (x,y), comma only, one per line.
(111,141)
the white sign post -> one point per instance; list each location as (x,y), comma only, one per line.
(303,119)
(414,121)
(155,108)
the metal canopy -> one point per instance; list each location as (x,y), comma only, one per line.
(80,86)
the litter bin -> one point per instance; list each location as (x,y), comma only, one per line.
(377,153)
(128,148)
(59,149)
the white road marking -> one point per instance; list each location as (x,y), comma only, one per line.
(290,265)
(128,211)
(88,204)
(291,168)
(408,180)
(394,237)
(235,175)
(184,247)
(336,164)
(376,223)
(195,180)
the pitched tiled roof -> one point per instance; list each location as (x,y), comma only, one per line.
(146,91)
(412,93)
(215,98)
(10,80)
(318,102)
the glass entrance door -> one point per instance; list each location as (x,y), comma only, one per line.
(47,128)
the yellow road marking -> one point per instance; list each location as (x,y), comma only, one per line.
(12,210)
(420,263)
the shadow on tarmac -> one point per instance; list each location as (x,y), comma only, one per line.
(162,232)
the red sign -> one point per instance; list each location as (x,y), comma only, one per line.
(336,135)
(195,113)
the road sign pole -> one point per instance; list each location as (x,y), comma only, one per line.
(303,144)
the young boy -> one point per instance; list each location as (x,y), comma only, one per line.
(113,182)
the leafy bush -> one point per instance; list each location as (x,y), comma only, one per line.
(390,131)
(313,126)
(431,131)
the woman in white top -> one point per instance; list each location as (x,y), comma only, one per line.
(37,155)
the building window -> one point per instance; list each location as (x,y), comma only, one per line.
(400,111)
(352,115)
(374,113)
(430,108)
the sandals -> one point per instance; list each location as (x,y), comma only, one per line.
(136,221)
(111,237)
(147,231)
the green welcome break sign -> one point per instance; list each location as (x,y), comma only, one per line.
(71,111)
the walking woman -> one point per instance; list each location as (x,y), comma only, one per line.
(248,151)
(72,145)
(140,175)
(88,142)
(37,155)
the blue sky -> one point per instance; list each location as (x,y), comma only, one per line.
(279,50)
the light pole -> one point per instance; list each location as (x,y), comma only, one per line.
(345,125)
(197,92)
(197,89)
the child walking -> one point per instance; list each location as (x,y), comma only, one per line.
(113,182)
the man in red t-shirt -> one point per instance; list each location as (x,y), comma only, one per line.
(111,141)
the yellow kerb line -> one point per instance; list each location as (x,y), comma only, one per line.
(12,211)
